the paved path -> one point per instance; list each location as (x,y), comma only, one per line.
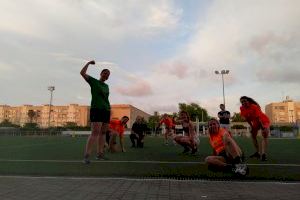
(46,188)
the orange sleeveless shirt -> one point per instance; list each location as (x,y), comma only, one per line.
(216,141)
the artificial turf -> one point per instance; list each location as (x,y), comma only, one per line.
(62,156)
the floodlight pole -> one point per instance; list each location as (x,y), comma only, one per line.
(222,72)
(51,89)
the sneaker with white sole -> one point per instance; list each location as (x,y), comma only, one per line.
(240,169)
(86,161)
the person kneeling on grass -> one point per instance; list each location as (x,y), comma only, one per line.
(138,132)
(117,127)
(227,154)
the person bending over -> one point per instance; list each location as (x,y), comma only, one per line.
(117,128)
(250,110)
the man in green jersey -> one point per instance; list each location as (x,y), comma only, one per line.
(99,112)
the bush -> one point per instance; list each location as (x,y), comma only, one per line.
(238,126)
(286,128)
(31,126)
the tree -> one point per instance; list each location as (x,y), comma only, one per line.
(238,126)
(153,121)
(31,126)
(237,118)
(7,123)
(31,114)
(194,110)
(71,125)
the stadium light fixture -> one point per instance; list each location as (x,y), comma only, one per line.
(222,73)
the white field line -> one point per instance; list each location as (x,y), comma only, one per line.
(148,179)
(144,162)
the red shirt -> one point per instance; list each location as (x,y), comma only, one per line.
(167,121)
(116,125)
(254,114)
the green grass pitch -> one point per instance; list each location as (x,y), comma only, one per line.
(62,156)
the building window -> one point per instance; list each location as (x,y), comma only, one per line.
(279,107)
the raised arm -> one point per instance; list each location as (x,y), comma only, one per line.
(84,69)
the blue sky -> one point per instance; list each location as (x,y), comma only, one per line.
(160,52)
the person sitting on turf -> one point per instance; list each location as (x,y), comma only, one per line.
(138,131)
(188,140)
(227,155)
(117,127)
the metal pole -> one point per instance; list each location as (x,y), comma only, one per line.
(50,108)
(222,72)
(223,90)
(51,89)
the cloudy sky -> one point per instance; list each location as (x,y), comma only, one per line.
(160,52)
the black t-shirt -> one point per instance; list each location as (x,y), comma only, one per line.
(222,119)
(139,128)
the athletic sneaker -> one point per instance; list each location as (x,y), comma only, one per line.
(101,157)
(240,169)
(255,155)
(264,157)
(86,161)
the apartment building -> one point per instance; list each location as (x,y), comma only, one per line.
(120,110)
(61,115)
(287,111)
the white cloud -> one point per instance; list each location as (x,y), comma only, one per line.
(244,37)
(104,20)
(48,42)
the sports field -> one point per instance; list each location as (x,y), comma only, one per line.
(62,156)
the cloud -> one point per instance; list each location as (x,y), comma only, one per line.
(138,89)
(279,75)
(163,16)
(163,108)
(266,41)
(155,61)
(175,68)
(105,20)
(232,37)
(4,67)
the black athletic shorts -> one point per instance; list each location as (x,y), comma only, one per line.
(224,155)
(99,115)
